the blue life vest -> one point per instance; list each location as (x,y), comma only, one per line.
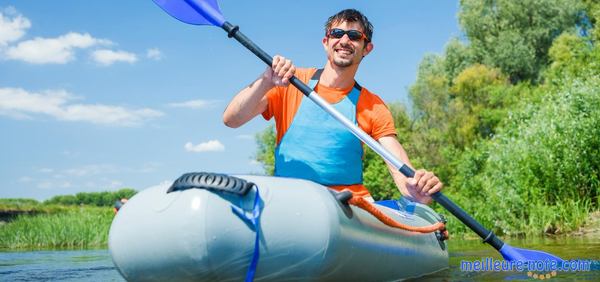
(319,148)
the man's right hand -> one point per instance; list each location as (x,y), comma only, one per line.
(280,72)
(251,101)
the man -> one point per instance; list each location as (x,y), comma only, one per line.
(310,143)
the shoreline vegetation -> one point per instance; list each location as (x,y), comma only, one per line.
(26,224)
(79,221)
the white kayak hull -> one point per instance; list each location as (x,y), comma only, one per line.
(306,234)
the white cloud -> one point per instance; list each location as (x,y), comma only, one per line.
(46,170)
(108,57)
(25,179)
(154,53)
(194,104)
(18,103)
(113,184)
(148,167)
(245,136)
(12,28)
(93,169)
(47,184)
(58,50)
(210,146)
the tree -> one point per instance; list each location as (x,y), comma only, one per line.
(266,149)
(458,56)
(515,35)
(479,99)
(430,96)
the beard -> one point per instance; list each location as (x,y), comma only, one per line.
(345,60)
(342,63)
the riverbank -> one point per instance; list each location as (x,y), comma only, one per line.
(72,227)
(26,224)
(29,224)
(591,227)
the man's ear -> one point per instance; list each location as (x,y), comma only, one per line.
(368,48)
(325,39)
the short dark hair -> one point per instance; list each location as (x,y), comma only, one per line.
(351,15)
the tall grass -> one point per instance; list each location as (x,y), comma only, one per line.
(28,206)
(73,227)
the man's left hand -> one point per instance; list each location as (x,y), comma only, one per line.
(423,184)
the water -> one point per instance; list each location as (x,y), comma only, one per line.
(568,248)
(96,265)
(79,265)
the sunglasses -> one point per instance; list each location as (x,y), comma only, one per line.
(354,35)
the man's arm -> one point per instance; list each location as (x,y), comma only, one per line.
(423,184)
(252,101)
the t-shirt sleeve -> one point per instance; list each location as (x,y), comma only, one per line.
(281,99)
(379,117)
(383,124)
(273,102)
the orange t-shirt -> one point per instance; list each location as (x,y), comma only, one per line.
(372,114)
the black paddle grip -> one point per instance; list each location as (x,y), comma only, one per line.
(488,236)
(407,171)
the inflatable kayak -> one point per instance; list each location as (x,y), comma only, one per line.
(214,227)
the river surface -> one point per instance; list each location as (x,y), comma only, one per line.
(96,265)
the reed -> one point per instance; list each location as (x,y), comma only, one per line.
(71,227)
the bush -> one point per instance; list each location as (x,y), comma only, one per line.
(541,171)
(100,199)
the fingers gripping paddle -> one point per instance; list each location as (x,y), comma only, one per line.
(207,12)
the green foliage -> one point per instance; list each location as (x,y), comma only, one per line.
(71,221)
(10,207)
(569,54)
(430,92)
(266,141)
(458,56)
(430,95)
(515,35)
(7,205)
(541,171)
(592,13)
(479,98)
(100,199)
(75,227)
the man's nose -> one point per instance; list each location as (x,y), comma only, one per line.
(345,38)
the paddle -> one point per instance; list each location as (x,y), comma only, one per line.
(207,12)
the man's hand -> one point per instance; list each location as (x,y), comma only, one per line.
(280,72)
(423,184)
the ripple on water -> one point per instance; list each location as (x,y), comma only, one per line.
(96,265)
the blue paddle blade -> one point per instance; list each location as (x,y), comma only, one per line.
(197,12)
(515,254)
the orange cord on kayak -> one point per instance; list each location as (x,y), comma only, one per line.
(370,208)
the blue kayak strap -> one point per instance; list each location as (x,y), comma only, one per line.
(253,220)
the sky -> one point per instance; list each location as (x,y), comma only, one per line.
(104,95)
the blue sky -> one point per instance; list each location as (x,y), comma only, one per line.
(101,95)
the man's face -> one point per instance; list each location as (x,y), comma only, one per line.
(344,52)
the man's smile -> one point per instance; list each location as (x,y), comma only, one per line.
(344,51)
